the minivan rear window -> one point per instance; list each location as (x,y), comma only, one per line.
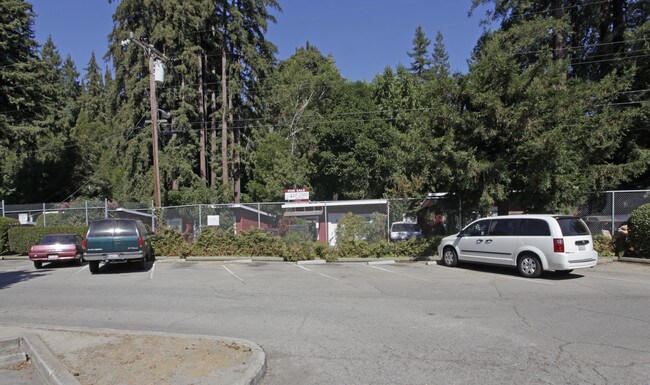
(572,226)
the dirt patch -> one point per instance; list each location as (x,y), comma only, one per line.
(112,358)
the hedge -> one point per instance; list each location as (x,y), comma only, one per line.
(639,230)
(5,225)
(22,237)
(254,242)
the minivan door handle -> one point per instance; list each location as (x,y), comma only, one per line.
(488,241)
(479,240)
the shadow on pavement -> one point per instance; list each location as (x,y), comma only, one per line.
(512,271)
(124,268)
(8,278)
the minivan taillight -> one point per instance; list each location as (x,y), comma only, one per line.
(558,245)
(140,241)
(83,243)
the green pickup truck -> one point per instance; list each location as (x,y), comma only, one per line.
(117,241)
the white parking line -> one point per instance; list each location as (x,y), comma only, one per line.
(619,279)
(524,279)
(233,274)
(322,275)
(153,267)
(16,268)
(402,274)
(80,270)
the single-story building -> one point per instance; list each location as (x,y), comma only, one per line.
(324,216)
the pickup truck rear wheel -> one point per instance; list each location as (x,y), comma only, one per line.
(93,266)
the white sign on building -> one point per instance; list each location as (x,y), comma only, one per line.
(296,195)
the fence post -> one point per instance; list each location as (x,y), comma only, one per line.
(86,211)
(460,213)
(44,222)
(200,221)
(327,225)
(259,217)
(3,208)
(388,221)
(153,217)
(613,212)
(105,208)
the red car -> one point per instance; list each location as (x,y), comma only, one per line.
(56,248)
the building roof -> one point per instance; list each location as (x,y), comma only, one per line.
(364,202)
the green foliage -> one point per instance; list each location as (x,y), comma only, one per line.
(5,225)
(167,241)
(420,52)
(604,246)
(249,243)
(21,238)
(353,228)
(639,230)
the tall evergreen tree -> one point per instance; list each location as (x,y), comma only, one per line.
(439,58)
(22,103)
(420,52)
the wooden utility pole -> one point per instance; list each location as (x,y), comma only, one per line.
(154,55)
(154,130)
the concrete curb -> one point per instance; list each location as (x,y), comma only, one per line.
(55,373)
(228,259)
(15,257)
(636,260)
(386,262)
(48,366)
(10,353)
(312,262)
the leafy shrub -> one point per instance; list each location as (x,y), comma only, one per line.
(604,245)
(169,241)
(639,233)
(22,237)
(5,225)
(356,228)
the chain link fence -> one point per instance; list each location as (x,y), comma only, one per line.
(436,214)
(606,211)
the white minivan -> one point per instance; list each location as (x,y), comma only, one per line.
(532,243)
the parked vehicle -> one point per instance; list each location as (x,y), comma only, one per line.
(404,230)
(117,241)
(532,243)
(57,248)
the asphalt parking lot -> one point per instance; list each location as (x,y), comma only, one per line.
(406,323)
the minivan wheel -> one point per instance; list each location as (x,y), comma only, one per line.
(38,264)
(529,266)
(449,257)
(93,266)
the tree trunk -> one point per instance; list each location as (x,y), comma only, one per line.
(213,141)
(559,45)
(224,114)
(202,166)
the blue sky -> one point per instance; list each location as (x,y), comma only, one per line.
(364,36)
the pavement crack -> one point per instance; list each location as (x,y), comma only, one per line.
(530,326)
(494,284)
